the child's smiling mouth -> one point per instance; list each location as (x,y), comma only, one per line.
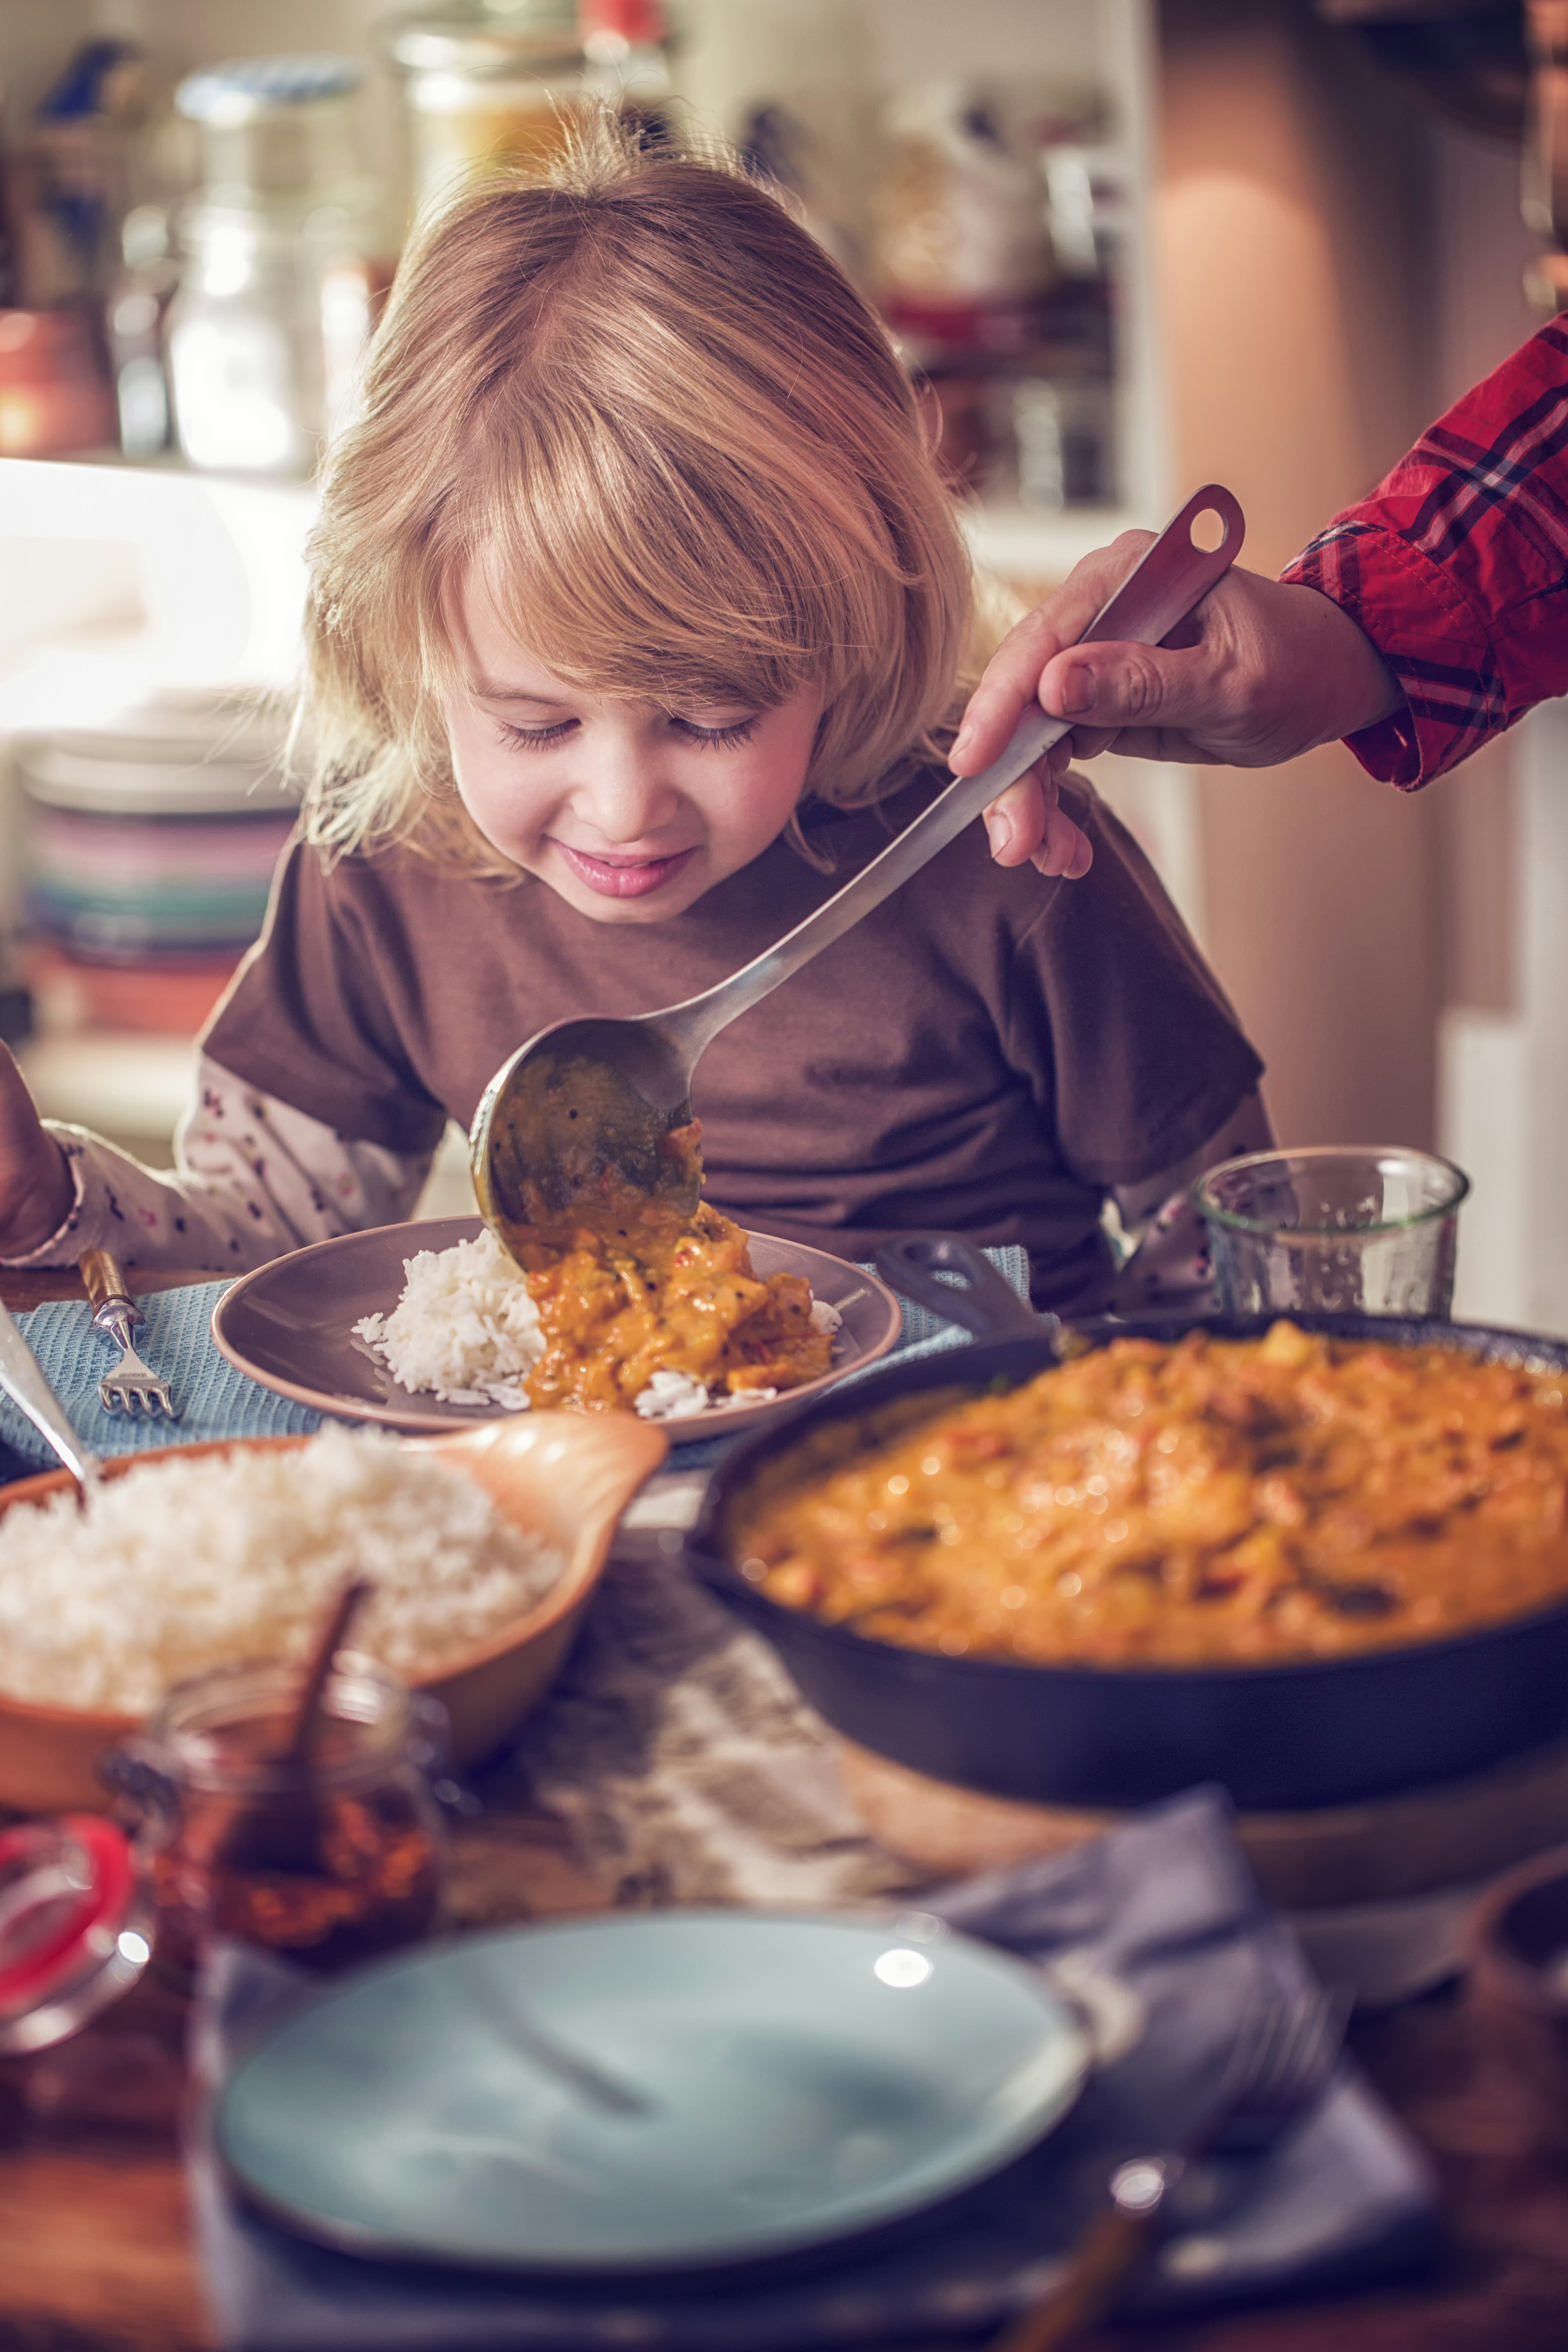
(623,878)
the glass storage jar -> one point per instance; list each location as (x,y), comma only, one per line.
(75,1928)
(273,311)
(327,1865)
(485,87)
(501,82)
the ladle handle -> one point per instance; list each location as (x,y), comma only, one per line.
(1174,575)
(24,1384)
(974,1294)
(103,1279)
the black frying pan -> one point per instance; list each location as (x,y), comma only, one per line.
(1328,1731)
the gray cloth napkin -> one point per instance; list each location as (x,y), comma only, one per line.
(1160,1928)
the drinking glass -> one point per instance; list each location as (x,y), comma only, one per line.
(1334,1231)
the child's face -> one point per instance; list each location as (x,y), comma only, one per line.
(629,810)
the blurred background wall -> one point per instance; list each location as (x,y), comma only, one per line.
(1335,263)
(1294,284)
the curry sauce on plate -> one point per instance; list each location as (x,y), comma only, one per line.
(1208,1503)
(632,1284)
(675,1295)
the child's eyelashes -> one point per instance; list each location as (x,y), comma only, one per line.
(535,738)
(711,738)
(716,739)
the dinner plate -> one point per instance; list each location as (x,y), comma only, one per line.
(290,1324)
(659,2092)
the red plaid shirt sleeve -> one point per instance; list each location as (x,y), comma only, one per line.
(1457,567)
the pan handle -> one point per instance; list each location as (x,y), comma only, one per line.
(984,1301)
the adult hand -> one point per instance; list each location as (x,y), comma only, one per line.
(1027,826)
(1258,673)
(35,1179)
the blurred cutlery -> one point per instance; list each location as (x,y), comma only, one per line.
(24,1384)
(517,2032)
(115,1311)
(1279,2065)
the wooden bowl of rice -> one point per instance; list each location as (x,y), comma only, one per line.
(562,1477)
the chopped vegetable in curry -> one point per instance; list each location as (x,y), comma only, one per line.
(635,1287)
(1213,1502)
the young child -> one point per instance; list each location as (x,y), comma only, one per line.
(638,623)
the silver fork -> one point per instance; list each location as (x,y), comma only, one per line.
(1279,2065)
(115,1311)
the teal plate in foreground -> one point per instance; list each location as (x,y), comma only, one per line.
(666,2091)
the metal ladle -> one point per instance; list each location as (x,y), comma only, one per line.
(588,1102)
(22,1380)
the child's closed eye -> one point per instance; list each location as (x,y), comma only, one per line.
(710,739)
(715,739)
(535,738)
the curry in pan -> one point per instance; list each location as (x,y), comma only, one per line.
(1211,1502)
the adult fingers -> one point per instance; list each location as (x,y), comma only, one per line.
(1065,849)
(1027,826)
(1012,677)
(1106,688)
(1086,744)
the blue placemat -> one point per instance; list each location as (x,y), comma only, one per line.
(1159,1926)
(216,1400)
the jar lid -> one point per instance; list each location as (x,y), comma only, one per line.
(638,23)
(250,88)
(492,47)
(75,1929)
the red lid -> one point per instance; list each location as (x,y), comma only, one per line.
(638,22)
(69,1895)
(46,347)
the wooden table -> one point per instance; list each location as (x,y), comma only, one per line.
(94,2247)
(21,1291)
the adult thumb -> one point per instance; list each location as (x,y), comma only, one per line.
(1113,685)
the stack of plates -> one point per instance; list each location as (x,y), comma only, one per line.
(152,840)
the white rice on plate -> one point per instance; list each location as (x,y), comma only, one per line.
(181,1566)
(669,1396)
(466,1328)
(466,1331)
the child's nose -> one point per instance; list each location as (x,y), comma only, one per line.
(624,798)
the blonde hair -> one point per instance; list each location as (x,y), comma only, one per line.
(642,402)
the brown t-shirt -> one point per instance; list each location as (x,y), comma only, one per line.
(987,1053)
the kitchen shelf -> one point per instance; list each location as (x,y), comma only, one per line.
(212,595)
(127,1086)
(133,1087)
(164,576)
(1035,549)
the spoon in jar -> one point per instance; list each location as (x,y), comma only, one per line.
(591,1112)
(282,1831)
